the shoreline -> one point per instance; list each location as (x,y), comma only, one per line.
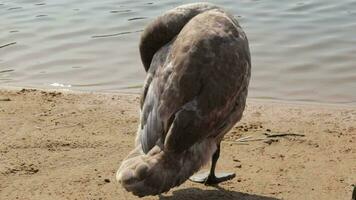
(252,99)
(68,145)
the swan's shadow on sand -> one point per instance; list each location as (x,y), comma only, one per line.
(213,194)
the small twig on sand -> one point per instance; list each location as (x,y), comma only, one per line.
(5,99)
(283,135)
(249,139)
(5,45)
(243,138)
(253,140)
(266,139)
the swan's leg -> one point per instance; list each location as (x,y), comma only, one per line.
(213,178)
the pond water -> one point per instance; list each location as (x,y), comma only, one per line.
(301,50)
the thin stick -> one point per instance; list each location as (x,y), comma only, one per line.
(243,138)
(253,139)
(5,99)
(284,134)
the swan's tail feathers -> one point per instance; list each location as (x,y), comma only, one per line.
(164,28)
(158,171)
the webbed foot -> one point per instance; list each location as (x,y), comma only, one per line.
(208,179)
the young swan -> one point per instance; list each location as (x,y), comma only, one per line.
(198,68)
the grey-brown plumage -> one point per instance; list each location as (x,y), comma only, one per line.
(198,69)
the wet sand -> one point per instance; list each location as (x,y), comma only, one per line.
(56,145)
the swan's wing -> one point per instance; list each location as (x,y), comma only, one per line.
(210,71)
(151,128)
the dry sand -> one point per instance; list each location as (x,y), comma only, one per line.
(69,145)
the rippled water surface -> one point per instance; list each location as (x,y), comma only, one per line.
(301,50)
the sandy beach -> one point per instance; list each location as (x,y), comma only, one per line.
(66,145)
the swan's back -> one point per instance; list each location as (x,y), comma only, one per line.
(198,65)
(164,28)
